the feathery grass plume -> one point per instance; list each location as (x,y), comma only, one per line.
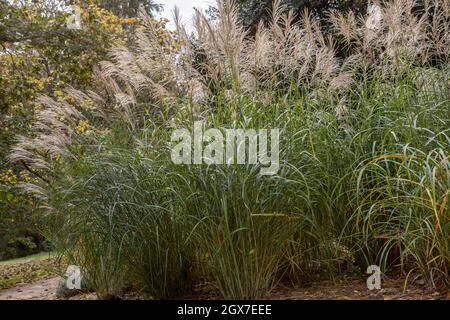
(216,52)
(440,29)
(394,35)
(364,151)
(152,75)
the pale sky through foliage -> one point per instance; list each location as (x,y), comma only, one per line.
(186,10)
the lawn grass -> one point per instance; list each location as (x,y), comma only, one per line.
(34,257)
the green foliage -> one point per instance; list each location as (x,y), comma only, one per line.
(129,8)
(364,150)
(40,56)
(370,189)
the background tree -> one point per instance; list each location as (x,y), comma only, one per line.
(39,55)
(129,8)
(253,11)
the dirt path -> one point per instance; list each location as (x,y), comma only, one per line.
(45,290)
(356,289)
(34,277)
(39,290)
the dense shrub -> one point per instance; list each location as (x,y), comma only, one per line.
(364,150)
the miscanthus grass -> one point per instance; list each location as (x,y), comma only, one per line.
(364,155)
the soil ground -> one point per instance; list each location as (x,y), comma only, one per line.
(37,279)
